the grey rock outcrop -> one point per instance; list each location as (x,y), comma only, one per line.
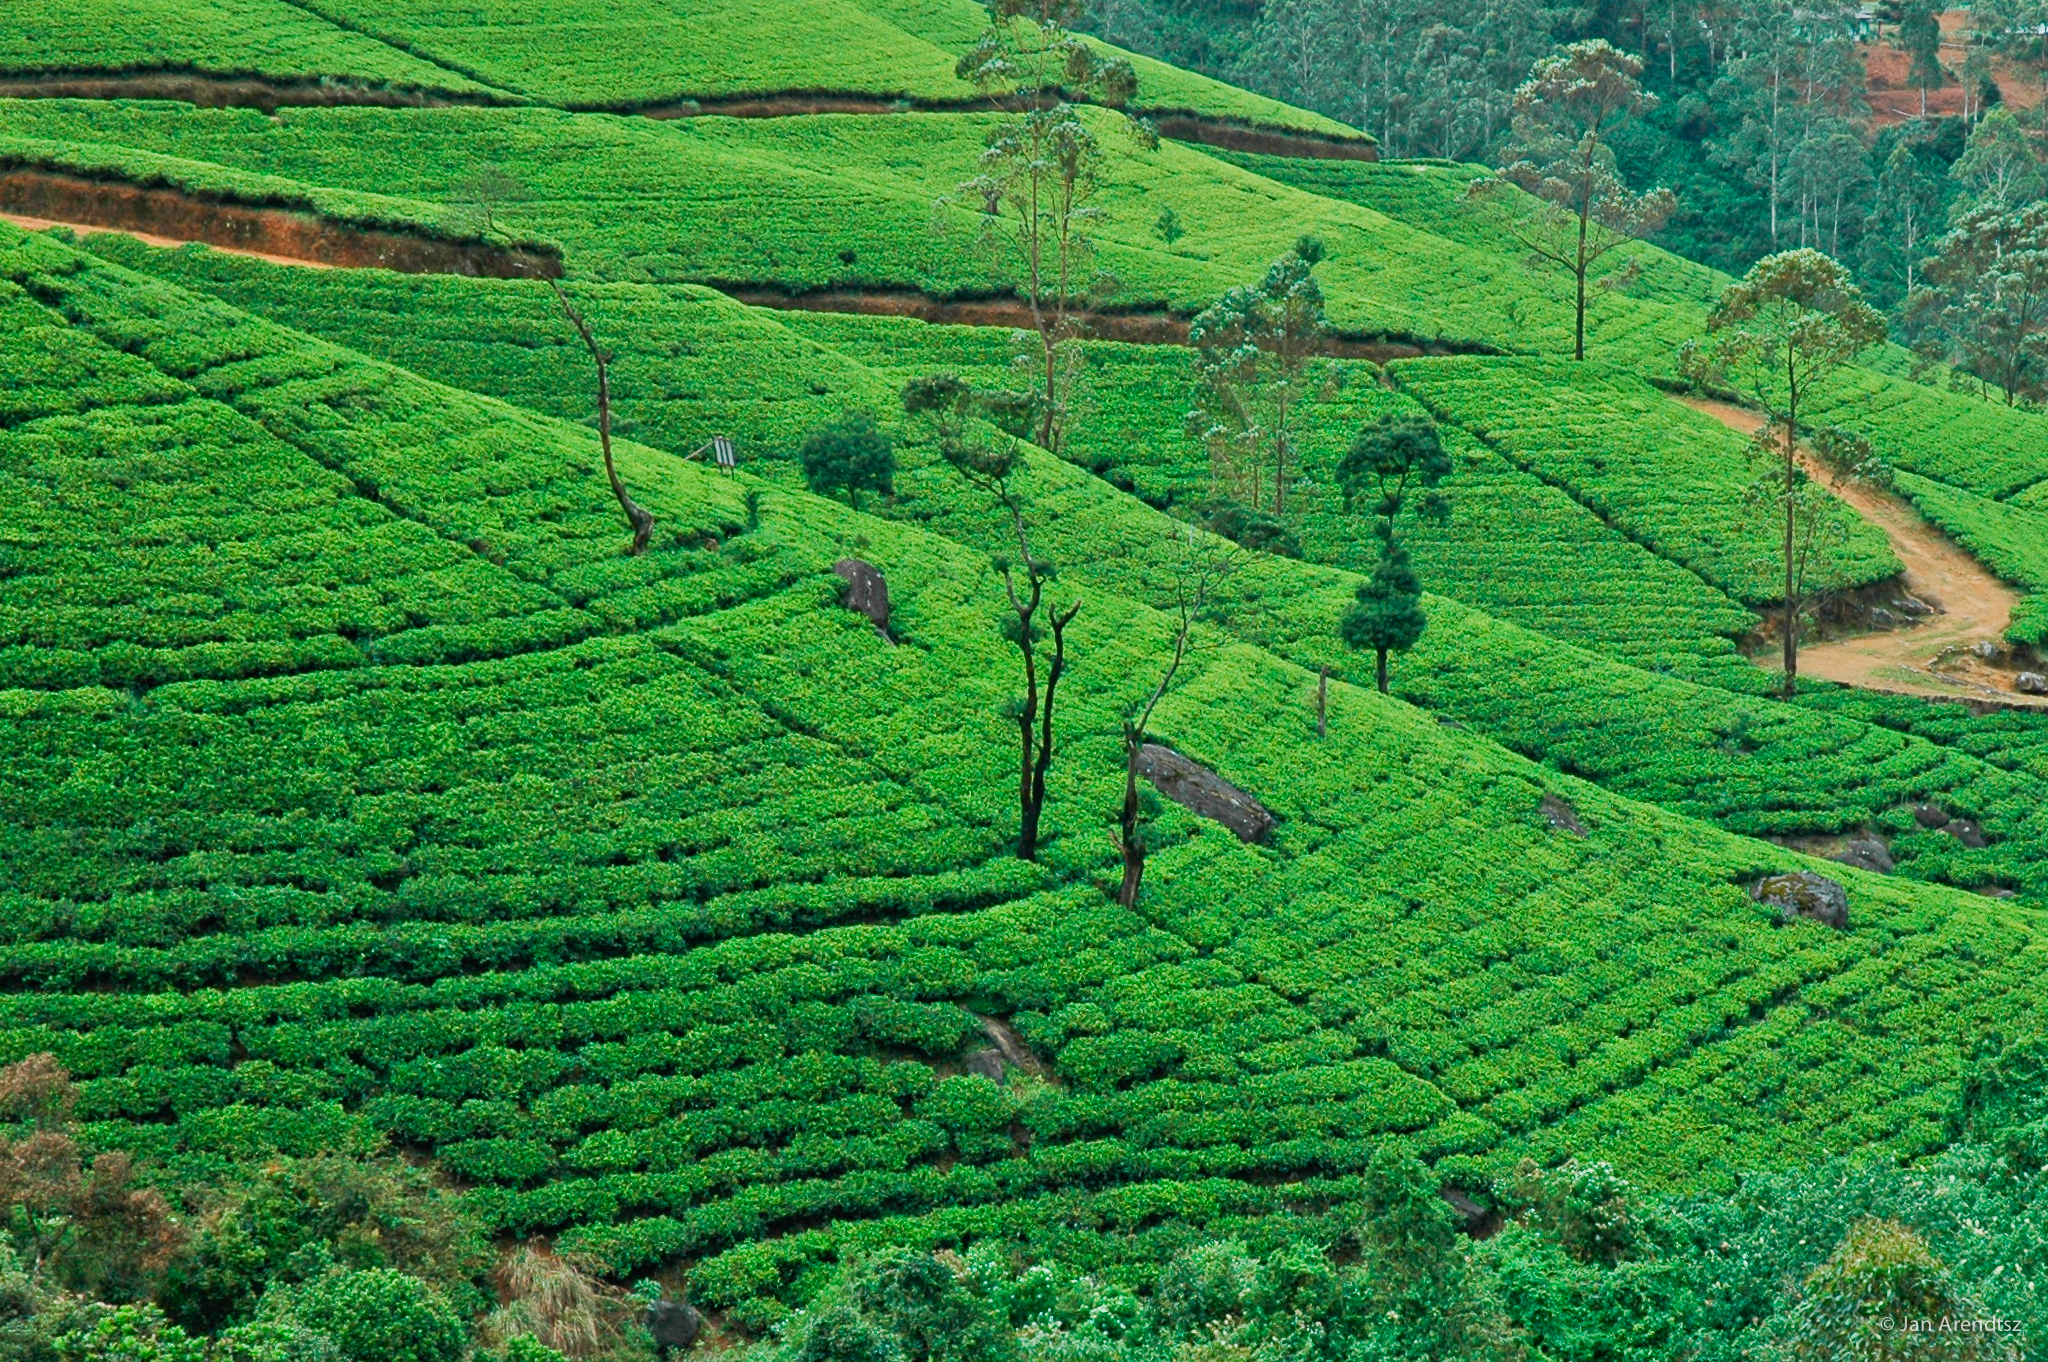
(866,592)
(1561,816)
(1201,791)
(674,1324)
(1965,831)
(1867,852)
(988,1064)
(1802,893)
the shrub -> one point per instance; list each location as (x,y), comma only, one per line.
(378,1316)
(850,455)
(132,1333)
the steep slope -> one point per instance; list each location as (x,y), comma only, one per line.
(667,57)
(223,39)
(736,202)
(668,936)
(682,344)
(693,363)
(739,201)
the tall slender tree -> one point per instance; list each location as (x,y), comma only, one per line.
(1255,353)
(1292,54)
(1780,334)
(1998,168)
(1040,171)
(1986,307)
(1908,212)
(637,516)
(1565,114)
(1920,35)
(1202,563)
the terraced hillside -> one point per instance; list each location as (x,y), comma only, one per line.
(582,873)
(671,58)
(359,789)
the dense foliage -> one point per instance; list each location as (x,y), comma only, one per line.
(429,933)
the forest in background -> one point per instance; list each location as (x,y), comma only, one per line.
(1884,136)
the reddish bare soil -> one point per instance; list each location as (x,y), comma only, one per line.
(1138,328)
(1932,657)
(1177,124)
(220,92)
(1213,132)
(1894,100)
(170,216)
(152,239)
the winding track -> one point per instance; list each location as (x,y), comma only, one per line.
(1929,658)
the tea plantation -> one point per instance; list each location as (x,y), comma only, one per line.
(362,799)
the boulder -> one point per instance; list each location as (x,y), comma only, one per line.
(1802,893)
(1202,792)
(2030,683)
(1866,852)
(1930,815)
(988,1064)
(1011,1049)
(1561,816)
(1964,831)
(1989,649)
(674,1324)
(1881,618)
(1911,605)
(866,592)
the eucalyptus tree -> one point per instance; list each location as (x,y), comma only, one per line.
(1564,118)
(1780,335)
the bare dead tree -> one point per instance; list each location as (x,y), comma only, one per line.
(991,466)
(637,516)
(1203,564)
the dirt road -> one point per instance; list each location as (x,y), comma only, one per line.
(1931,657)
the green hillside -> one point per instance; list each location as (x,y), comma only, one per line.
(390,858)
(1715,751)
(580,54)
(272,38)
(563,830)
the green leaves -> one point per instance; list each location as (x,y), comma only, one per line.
(850,455)
(1786,326)
(1389,456)
(1388,615)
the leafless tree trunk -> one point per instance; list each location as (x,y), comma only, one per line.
(636,515)
(1203,566)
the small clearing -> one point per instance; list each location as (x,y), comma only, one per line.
(1932,657)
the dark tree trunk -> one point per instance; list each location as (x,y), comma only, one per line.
(1579,315)
(1791,579)
(1383,671)
(1131,842)
(637,515)
(1791,510)
(1323,704)
(1027,727)
(1038,763)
